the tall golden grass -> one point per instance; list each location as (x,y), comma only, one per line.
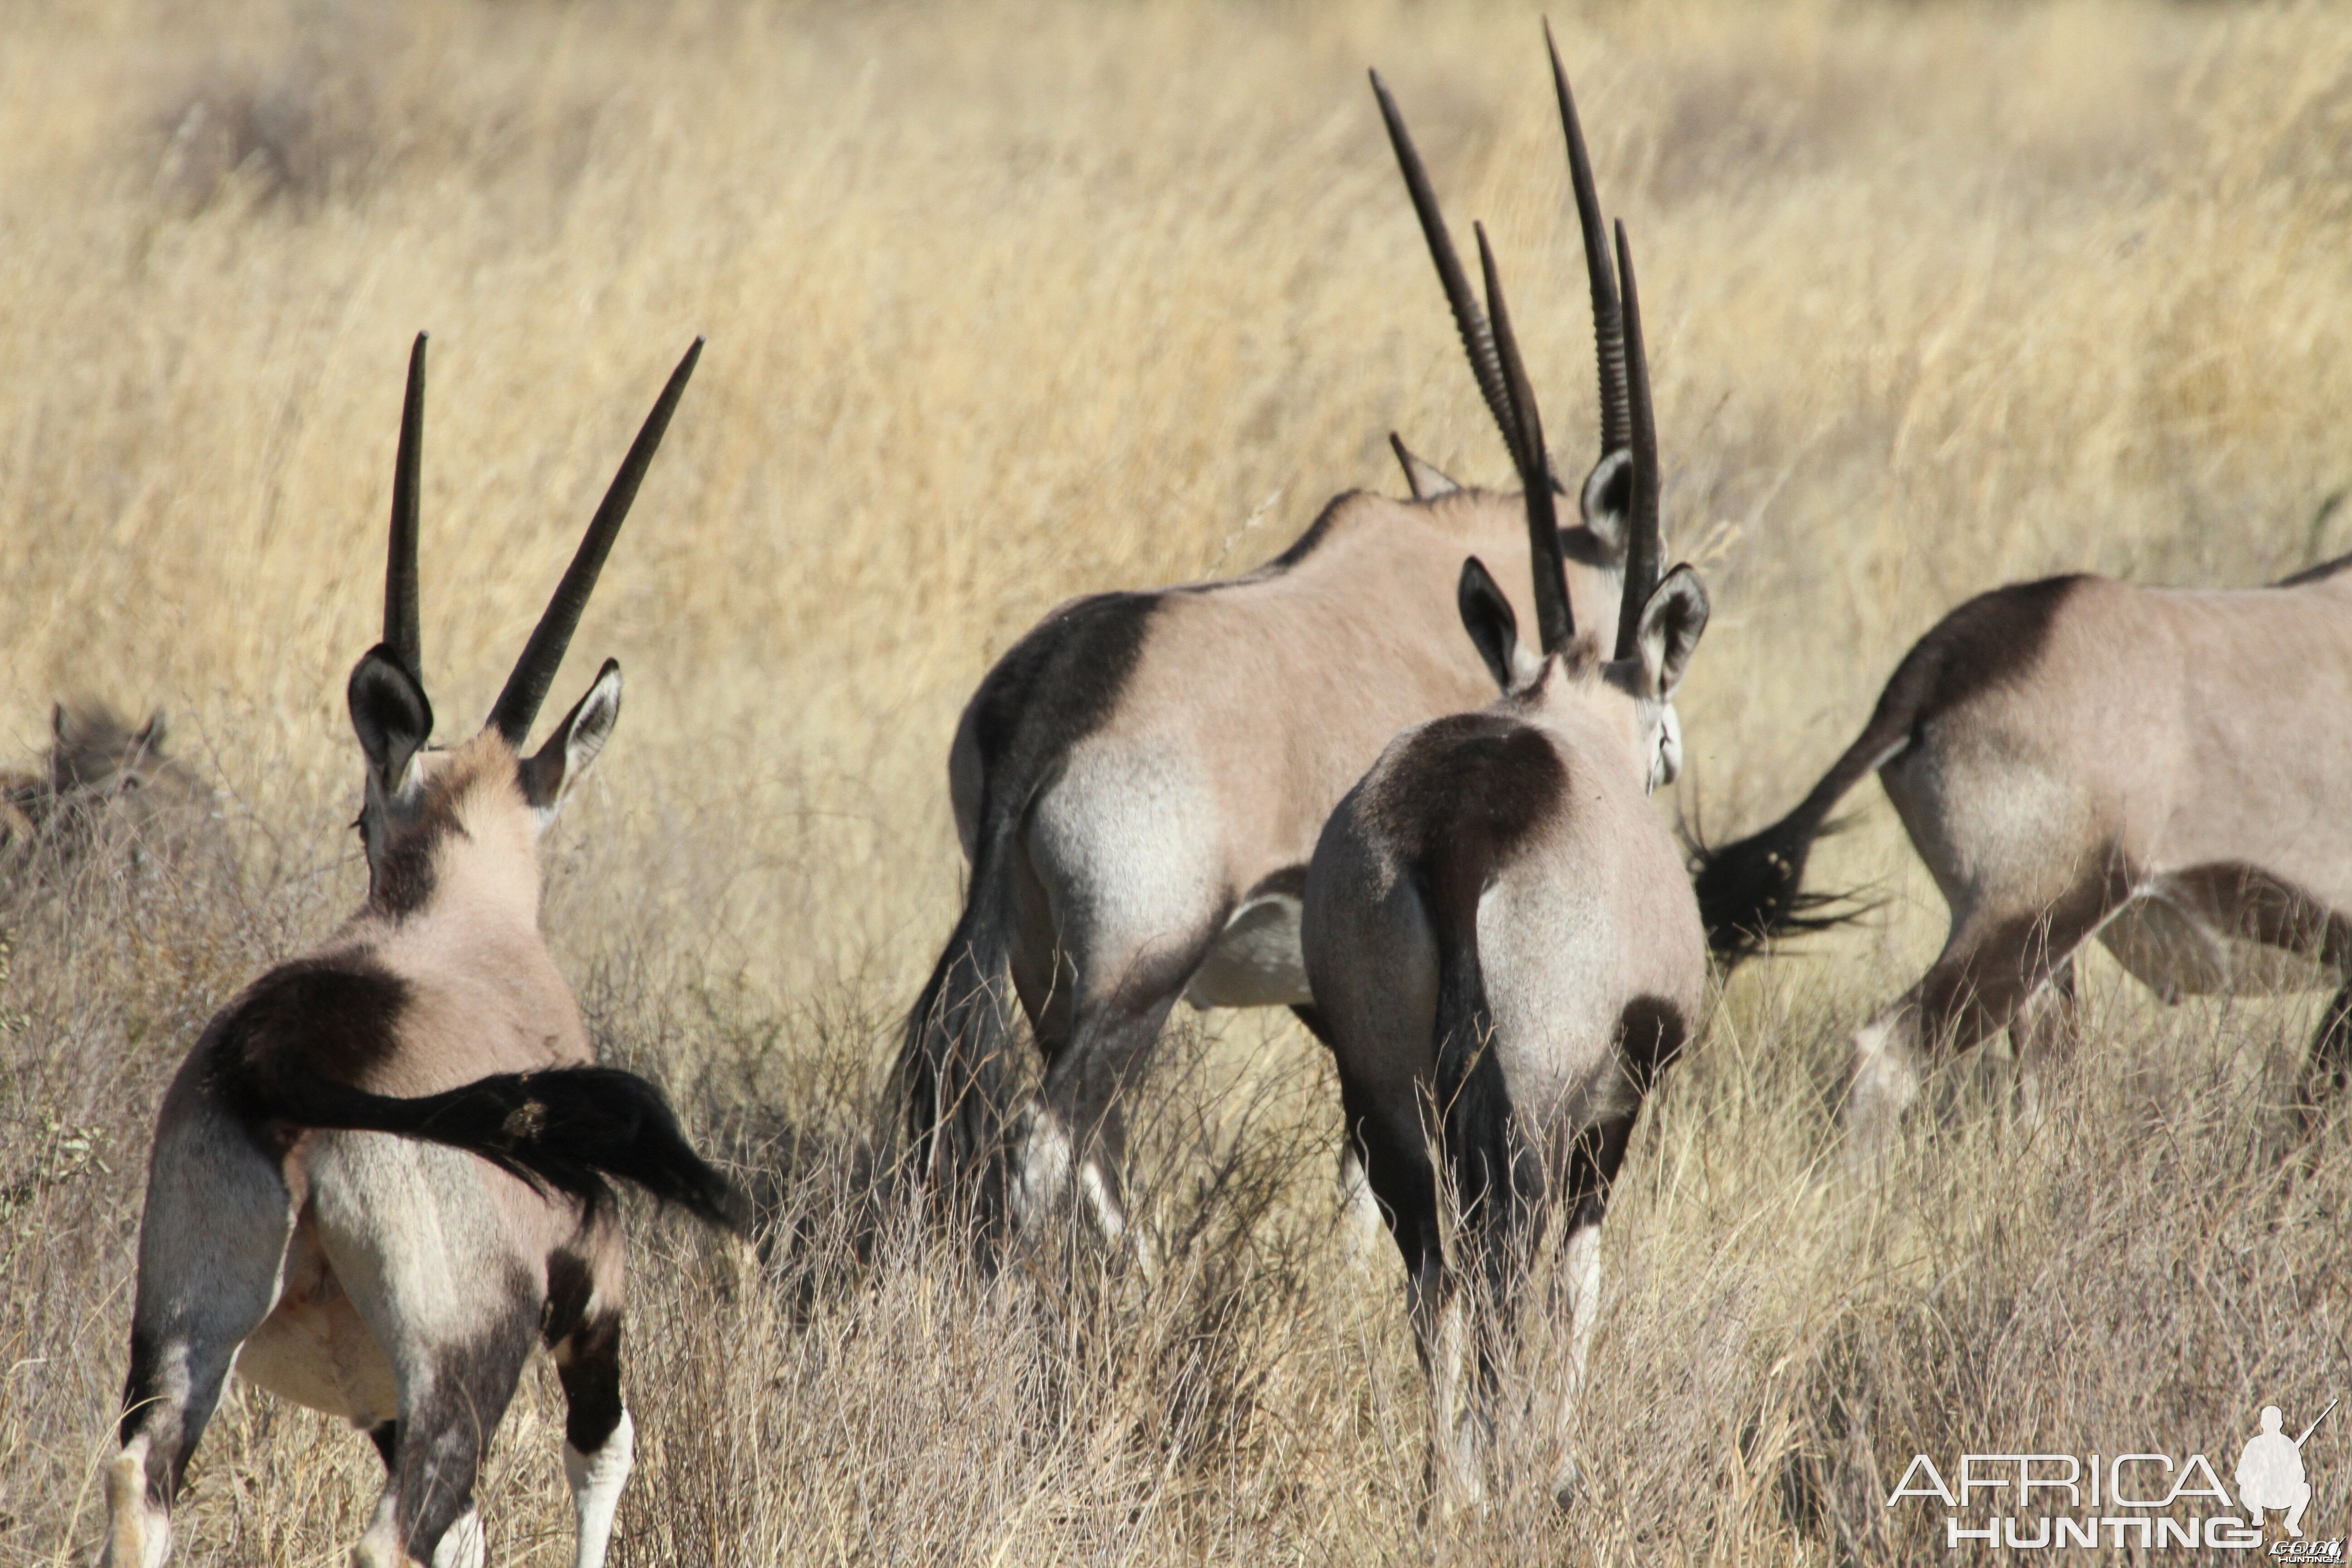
(1010,301)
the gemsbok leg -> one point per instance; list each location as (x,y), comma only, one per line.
(583,1338)
(1077,1134)
(456,1315)
(1994,963)
(212,1247)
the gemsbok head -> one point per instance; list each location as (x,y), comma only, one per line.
(1139,782)
(1505,952)
(400,1281)
(2167,770)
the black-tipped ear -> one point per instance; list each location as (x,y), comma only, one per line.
(1608,499)
(1426,479)
(569,754)
(151,734)
(390,714)
(1487,616)
(1672,619)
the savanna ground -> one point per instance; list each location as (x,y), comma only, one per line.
(1010,301)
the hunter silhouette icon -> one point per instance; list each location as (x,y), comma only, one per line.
(2270,1472)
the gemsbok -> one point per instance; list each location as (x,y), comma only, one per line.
(1139,782)
(400,1281)
(2169,770)
(1505,952)
(101,772)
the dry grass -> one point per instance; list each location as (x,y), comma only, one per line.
(1008,301)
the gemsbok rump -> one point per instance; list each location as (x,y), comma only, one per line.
(1137,783)
(1505,952)
(400,1281)
(2169,770)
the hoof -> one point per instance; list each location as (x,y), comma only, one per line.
(1566,1484)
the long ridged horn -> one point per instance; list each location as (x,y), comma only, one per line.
(399,632)
(1555,618)
(1477,338)
(525,688)
(1642,531)
(1607,316)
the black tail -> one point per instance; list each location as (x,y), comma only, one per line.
(565,1128)
(1753,890)
(1497,1179)
(951,1066)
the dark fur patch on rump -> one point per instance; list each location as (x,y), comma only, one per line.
(1471,787)
(316,1018)
(1056,685)
(1993,639)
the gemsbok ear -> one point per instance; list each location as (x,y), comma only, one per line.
(1608,499)
(1424,479)
(549,778)
(1672,619)
(1487,616)
(391,715)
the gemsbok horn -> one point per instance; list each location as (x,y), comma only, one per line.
(2169,770)
(1137,783)
(1505,952)
(400,1281)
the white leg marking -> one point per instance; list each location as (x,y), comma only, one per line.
(1044,1174)
(1452,1431)
(597,1480)
(1360,1223)
(138,1533)
(380,1546)
(1885,1082)
(1581,1261)
(462,1544)
(1108,1217)
(1111,1219)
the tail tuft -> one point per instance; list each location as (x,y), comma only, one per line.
(952,1066)
(1498,1183)
(571,1128)
(1752,891)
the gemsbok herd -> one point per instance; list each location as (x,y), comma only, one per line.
(1397,779)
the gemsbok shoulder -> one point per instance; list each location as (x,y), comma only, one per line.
(2169,770)
(1137,783)
(1505,953)
(400,1281)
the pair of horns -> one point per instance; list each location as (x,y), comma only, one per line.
(1626,418)
(525,688)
